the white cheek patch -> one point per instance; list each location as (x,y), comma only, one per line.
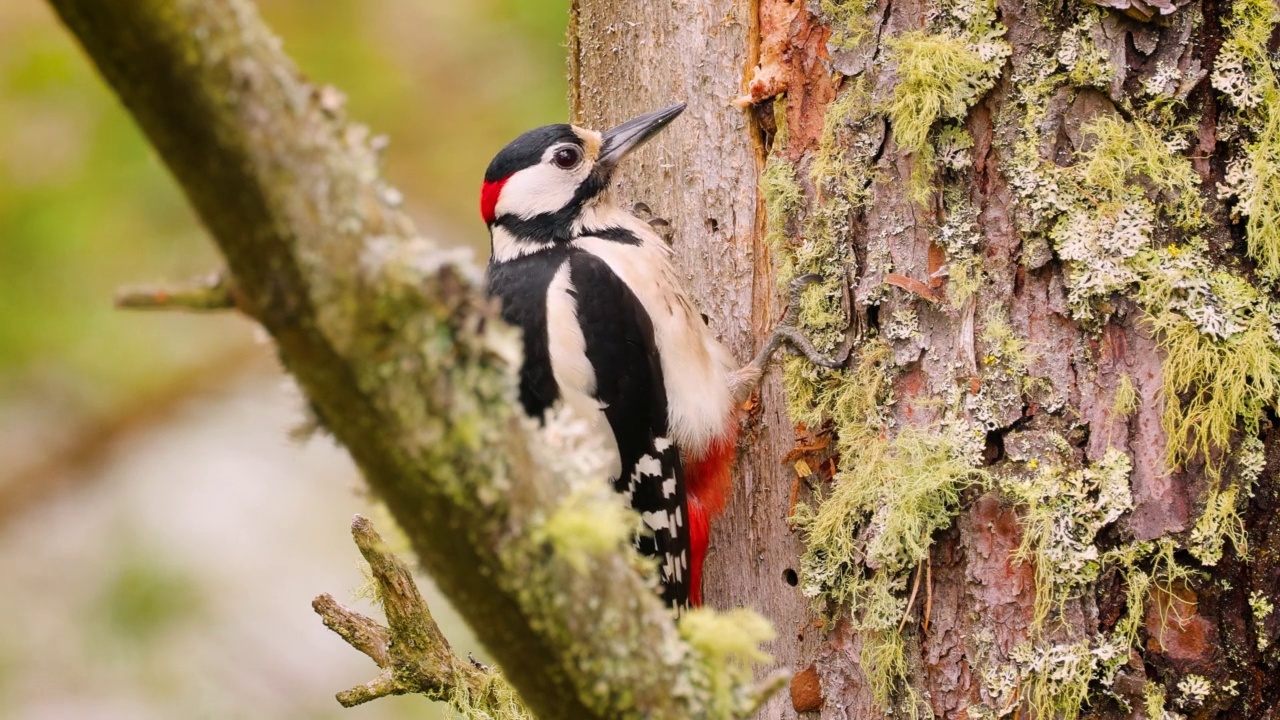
(542,188)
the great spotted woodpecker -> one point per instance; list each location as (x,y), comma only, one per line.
(609,330)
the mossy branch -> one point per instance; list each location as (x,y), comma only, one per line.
(404,361)
(413,653)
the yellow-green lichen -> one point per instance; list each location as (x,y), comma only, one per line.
(1124,151)
(1218,522)
(1153,699)
(1126,397)
(848,21)
(494,700)
(1244,73)
(840,169)
(852,400)
(939,76)
(728,647)
(874,528)
(1210,385)
(813,236)
(783,200)
(583,527)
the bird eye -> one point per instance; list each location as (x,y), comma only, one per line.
(567,157)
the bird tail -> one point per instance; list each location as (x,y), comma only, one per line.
(656,490)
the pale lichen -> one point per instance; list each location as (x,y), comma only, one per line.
(1193,690)
(1261,607)
(1057,677)
(1064,510)
(494,700)
(1087,64)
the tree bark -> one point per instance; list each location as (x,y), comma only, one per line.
(1019,210)
(406,364)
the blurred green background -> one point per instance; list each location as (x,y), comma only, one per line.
(160,537)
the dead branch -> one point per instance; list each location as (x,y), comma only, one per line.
(412,652)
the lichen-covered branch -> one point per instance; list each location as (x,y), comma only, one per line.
(405,363)
(414,655)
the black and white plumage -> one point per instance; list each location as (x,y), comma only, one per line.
(608,328)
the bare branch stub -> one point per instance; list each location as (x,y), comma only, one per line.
(208,293)
(413,653)
(360,632)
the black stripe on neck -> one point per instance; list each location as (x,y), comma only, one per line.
(557,226)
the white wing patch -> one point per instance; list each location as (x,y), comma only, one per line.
(570,366)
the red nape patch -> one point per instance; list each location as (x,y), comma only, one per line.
(489,193)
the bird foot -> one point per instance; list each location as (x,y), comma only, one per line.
(748,377)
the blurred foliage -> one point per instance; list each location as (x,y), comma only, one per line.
(145,597)
(85,206)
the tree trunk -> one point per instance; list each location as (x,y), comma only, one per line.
(1043,486)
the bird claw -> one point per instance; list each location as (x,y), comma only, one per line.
(660,225)
(787,331)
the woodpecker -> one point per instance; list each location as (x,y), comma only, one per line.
(610,331)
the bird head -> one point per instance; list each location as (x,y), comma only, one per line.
(537,186)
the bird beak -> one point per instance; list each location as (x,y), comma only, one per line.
(628,136)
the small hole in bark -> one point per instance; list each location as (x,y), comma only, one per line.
(994,449)
(789,576)
(1079,436)
(713,225)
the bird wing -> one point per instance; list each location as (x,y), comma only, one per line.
(623,352)
(522,285)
